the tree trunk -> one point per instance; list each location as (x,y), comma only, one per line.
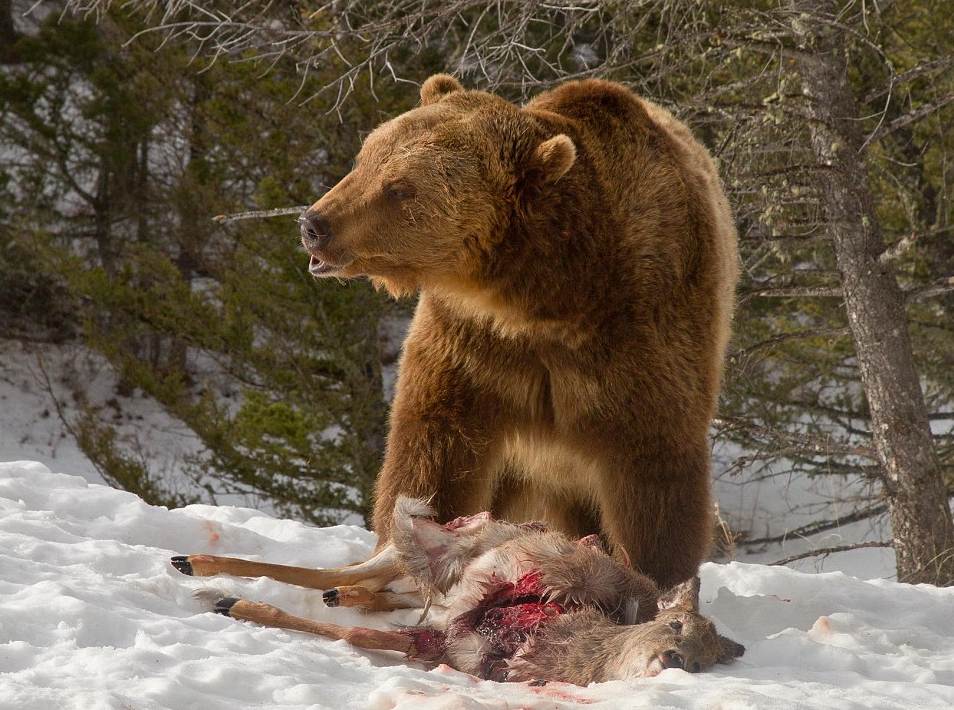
(911,477)
(8,33)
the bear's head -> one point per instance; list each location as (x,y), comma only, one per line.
(434,192)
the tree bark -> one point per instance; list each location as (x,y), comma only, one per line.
(910,471)
(8,33)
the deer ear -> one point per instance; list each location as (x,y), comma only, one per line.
(437,87)
(552,159)
(728,649)
(631,612)
(444,548)
(683,596)
(593,542)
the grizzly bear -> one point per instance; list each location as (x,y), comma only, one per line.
(575,260)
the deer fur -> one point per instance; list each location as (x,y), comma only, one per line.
(502,601)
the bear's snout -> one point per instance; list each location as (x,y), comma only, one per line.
(315,232)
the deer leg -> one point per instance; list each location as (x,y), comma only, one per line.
(268,615)
(420,644)
(373,574)
(358,597)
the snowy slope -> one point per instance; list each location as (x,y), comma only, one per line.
(36,378)
(93,616)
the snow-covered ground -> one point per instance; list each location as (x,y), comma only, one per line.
(41,384)
(92,615)
(36,377)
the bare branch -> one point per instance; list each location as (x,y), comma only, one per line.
(825,551)
(793,292)
(805,443)
(747,352)
(941,286)
(909,75)
(260,214)
(911,117)
(897,249)
(821,526)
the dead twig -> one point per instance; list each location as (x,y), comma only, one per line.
(821,526)
(806,443)
(825,551)
(743,354)
(940,286)
(260,214)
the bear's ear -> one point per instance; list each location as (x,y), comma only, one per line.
(552,159)
(437,87)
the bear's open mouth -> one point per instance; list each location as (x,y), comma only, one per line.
(317,267)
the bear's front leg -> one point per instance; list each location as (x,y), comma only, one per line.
(444,447)
(658,510)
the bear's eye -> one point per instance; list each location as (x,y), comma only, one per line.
(675,625)
(398,191)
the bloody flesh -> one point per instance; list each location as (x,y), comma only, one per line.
(507,616)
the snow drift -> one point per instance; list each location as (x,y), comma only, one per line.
(92,615)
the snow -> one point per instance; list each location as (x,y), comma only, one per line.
(38,378)
(42,382)
(92,615)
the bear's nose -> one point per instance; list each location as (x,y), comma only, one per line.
(315,232)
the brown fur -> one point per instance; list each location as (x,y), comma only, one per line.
(576,261)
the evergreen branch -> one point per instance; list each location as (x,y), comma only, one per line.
(97,442)
(825,551)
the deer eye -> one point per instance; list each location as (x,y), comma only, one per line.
(675,625)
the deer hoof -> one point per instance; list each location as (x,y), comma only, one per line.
(181,563)
(224,606)
(331,598)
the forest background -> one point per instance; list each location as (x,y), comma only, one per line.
(127,127)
